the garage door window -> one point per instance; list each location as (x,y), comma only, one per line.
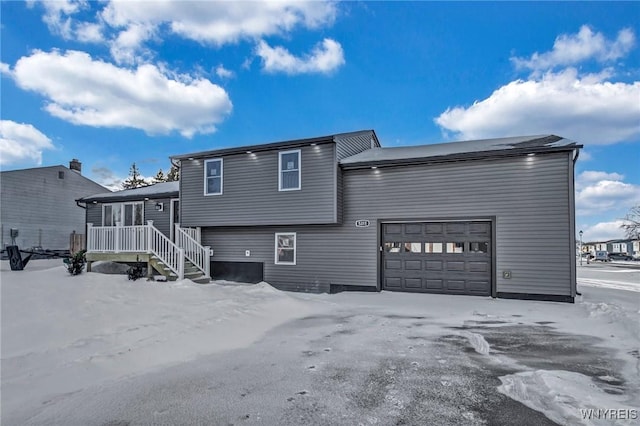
(455,247)
(392,247)
(286,248)
(433,247)
(413,247)
(479,247)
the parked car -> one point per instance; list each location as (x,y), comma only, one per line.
(619,256)
(602,256)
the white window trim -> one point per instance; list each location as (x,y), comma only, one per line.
(295,248)
(221,160)
(280,154)
(122,210)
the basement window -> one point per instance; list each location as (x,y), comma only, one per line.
(286,248)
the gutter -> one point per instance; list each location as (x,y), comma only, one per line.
(454,157)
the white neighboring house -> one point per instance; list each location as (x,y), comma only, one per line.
(39,205)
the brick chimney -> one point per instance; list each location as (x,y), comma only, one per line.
(75,165)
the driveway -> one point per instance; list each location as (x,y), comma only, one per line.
(358,364)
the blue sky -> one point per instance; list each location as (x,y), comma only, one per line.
(112,83)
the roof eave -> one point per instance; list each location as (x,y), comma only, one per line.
(255,148)
(107,199)
(458,157)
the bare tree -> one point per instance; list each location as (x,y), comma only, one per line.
(631,223)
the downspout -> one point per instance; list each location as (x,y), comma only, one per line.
(575,158)
(86,212)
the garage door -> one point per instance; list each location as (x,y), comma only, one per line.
(437,257)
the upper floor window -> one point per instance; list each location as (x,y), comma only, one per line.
(213,177)
(289,170)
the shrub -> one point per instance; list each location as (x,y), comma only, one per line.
(75,264)
(135,272)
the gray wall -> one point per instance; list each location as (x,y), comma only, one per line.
(353,144)
(161,220)
(250,191)
(42,206)
(529,196)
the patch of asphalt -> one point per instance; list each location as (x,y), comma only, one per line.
(385,370)
(541,347)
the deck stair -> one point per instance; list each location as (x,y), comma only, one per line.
(191,271)
(185,257)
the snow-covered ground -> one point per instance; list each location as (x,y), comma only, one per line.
(65,336)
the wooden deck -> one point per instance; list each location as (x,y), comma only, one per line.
(116,257)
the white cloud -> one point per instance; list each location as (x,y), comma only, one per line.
(222,72)
(590,176)
(58,15)
(107,178)
(90,33)
(324,58)
(89,92)
(127,46)
(571,49)
(5,69)
(21,142)
(603,231)
(601,192)
(212,22)
(587,110)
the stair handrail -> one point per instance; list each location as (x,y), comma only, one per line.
(196,253)
(165,250)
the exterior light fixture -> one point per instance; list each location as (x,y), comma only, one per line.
(160,207)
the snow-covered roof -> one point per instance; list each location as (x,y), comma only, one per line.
(464,149)
(158,190)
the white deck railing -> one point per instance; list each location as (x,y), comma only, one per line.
(195,233)
(169,253)
(136,239)
(198,255)
(117,239)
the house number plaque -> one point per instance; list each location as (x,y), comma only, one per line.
(362,223)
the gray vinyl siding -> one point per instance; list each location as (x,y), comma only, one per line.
(528,196)
(352,145)
(94,214)
(339,195)
(250,193)
(161,219)
(42,206)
